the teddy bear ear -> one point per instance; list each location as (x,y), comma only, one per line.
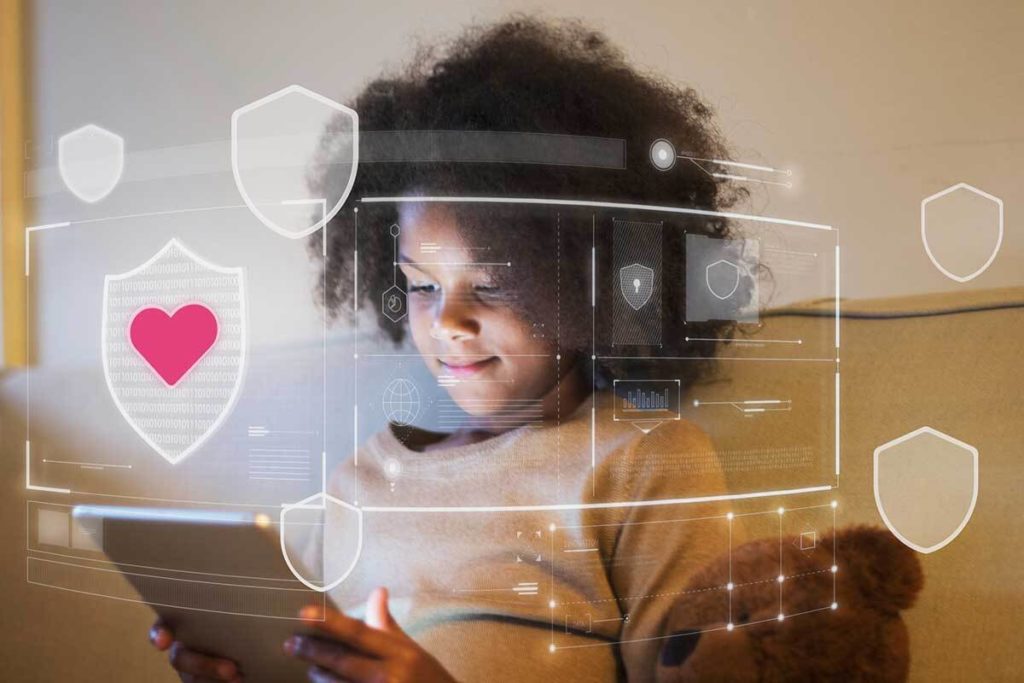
(885,573)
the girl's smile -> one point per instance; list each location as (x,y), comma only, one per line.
(463,367)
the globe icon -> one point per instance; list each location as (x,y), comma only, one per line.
(401,402)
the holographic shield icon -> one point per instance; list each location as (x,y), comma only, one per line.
(173,344)
(722,278)
(321,540)
(962,230)
(636,282)
(91,161)
(294,155)
(926,487)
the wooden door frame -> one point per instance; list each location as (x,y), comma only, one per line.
(13,206)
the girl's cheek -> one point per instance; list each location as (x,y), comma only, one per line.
(420,320)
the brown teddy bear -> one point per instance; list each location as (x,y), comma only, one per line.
(820,622)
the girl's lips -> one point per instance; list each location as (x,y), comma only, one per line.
(459,368)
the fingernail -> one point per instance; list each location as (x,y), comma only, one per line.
(310,612)
(226,670)
(291,645)
(152,635)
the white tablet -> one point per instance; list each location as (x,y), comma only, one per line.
(216,578)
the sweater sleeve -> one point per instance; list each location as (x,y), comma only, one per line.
(653,550)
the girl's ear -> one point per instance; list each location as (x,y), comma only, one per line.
(881,571)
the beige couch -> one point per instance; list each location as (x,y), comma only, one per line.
(950,361)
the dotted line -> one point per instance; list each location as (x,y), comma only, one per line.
(692,591)
(558,357)
(644,597)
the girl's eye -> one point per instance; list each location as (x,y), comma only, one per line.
(424,289)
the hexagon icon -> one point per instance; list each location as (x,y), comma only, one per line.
(393,303)
(962,230)
(294,155)
(926,487)
(90,160)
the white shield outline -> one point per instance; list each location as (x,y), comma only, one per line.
(707,278)
(305,504)
(974,495)
(253,207)
(239,273)
(924,231)
(117,147)
(626,294)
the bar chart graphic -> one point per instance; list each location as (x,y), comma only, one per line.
(647,402)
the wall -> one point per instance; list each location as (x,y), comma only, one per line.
(874,105)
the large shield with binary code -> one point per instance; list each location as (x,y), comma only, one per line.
(174,346)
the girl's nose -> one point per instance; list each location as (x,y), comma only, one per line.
(454,322)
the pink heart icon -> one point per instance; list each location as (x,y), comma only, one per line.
(173,344)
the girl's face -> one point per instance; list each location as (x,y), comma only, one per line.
(461,321)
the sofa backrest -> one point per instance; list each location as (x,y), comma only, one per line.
(952,362)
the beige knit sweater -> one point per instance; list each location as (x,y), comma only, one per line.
(492,591)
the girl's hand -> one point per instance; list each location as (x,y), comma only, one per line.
(374,651)
(192,666)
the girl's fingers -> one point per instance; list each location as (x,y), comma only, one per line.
(377,613)
(191,662)
(161,637)
(318,675)
(334,658)
(352,632)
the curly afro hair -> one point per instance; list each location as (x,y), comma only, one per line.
(527,75)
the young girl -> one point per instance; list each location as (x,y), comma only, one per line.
(503,318)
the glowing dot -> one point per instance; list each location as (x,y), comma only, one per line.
(781,578)
(551,604)
(835,504)
(782,617)
(662,154)
(551,528)
(509,264)
(696,403)
(355,355)
(551,647)
(729,586)
(558,356)
(782,510)
(834,569)
(729,626)
(261,520)
(593,357)
(835,605)
(729,516)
